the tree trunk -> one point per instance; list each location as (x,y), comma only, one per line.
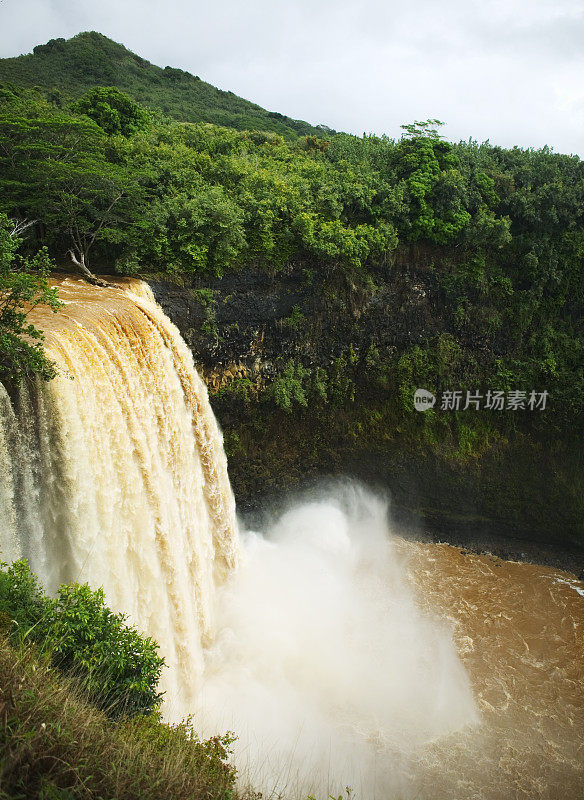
(83,270)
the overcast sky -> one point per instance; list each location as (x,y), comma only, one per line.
(511,71)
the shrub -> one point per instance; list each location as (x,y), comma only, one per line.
(115,666)
(22,602)
(288,388)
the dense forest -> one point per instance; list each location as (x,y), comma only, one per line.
(491,239)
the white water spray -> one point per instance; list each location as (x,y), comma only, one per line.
(323,664)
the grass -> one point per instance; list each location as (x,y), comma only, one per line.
(54,745)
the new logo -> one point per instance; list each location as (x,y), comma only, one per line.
(423,400)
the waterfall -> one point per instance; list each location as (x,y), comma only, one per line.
(340,654)
(114,473)
(313,650)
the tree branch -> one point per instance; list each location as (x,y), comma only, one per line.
(20,226)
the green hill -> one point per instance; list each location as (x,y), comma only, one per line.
(74,65)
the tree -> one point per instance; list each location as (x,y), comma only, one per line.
(427,128)
(56,171)
(435,187)
(199,232)
(24,284)
(113,111)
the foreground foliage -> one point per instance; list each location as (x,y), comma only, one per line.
(54,745)
(117,668)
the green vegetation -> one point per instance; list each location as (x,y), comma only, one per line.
(112,110)
(61,735)
(66,69)
(56,172)
(117,668)
(288,387)
(207,300)
(23,285)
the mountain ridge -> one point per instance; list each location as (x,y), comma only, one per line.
(72,66)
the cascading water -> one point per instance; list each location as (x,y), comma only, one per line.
(338,654)
(114,473)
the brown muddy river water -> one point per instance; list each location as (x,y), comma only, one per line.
(519,629)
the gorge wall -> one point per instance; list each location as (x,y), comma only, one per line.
(518,491)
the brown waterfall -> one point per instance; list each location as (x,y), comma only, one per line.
(114,473)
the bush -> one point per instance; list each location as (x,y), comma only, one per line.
(288,388)
(53,744)
(114,665)
(22,602)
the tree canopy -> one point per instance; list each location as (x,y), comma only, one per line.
(112,110)
(500,231)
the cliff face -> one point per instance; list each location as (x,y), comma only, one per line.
(521,494)
(249,322)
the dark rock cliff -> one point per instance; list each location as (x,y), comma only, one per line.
(521,498)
